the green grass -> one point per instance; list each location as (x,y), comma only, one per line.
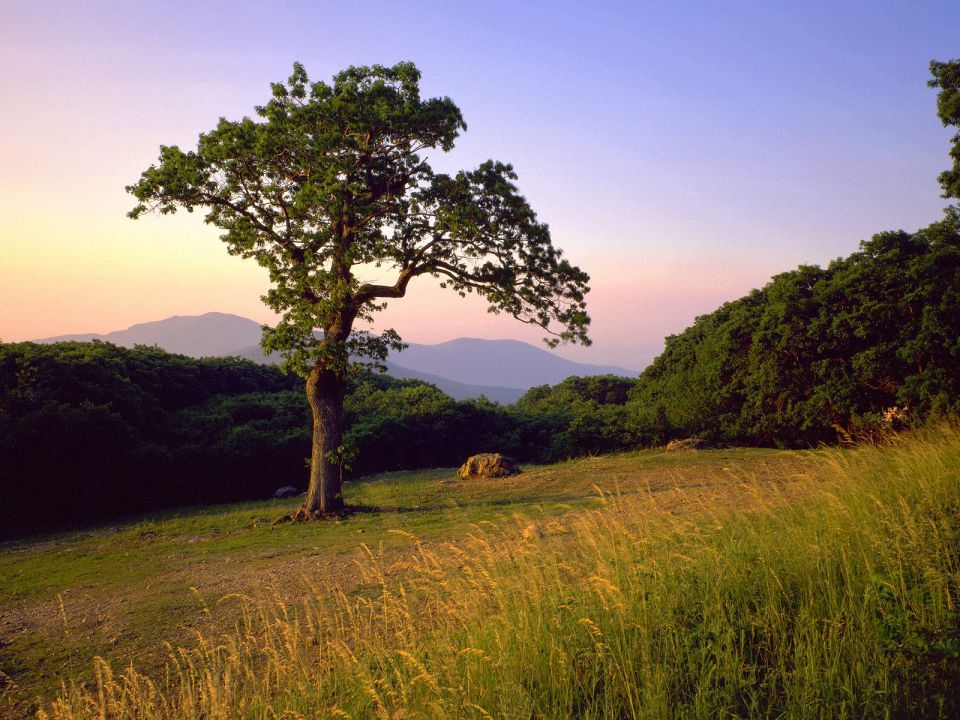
(741,583)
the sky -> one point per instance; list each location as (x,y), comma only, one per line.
(681,153)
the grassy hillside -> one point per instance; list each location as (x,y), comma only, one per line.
(742,582)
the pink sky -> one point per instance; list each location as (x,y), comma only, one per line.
(680,157)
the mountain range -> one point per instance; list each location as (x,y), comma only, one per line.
(501,370)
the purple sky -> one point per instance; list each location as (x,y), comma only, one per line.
(682,153)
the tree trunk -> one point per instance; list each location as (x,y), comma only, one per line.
(325,393)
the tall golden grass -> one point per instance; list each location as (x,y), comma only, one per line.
(842,604)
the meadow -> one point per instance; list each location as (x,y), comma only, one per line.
(726,583)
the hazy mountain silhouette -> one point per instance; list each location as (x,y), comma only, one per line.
(508,363)
(501,370)
(456,390)
(209,335)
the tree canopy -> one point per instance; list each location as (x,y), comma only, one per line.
(333,177)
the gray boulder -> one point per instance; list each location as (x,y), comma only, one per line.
(489,465)
(287,491)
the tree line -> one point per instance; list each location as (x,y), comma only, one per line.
(90,431)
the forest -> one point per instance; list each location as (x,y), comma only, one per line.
(90,432)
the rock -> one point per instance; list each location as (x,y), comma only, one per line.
(489,465)
(689,444)
(287,491)
(533,531)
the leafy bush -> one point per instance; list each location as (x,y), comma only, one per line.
(818,350)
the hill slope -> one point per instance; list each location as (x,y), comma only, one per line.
(713,584)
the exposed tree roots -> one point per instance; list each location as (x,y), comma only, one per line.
(301,514)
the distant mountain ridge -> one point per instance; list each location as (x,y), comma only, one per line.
(501,370)
(497,362)
(456,390)
(212,334)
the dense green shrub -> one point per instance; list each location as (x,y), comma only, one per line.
(818,352)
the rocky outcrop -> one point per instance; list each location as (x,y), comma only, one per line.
(689,444)
(489,465)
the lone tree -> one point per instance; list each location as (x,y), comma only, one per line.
(334,177)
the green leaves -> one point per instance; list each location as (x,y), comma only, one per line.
(484,238)
(946,77)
